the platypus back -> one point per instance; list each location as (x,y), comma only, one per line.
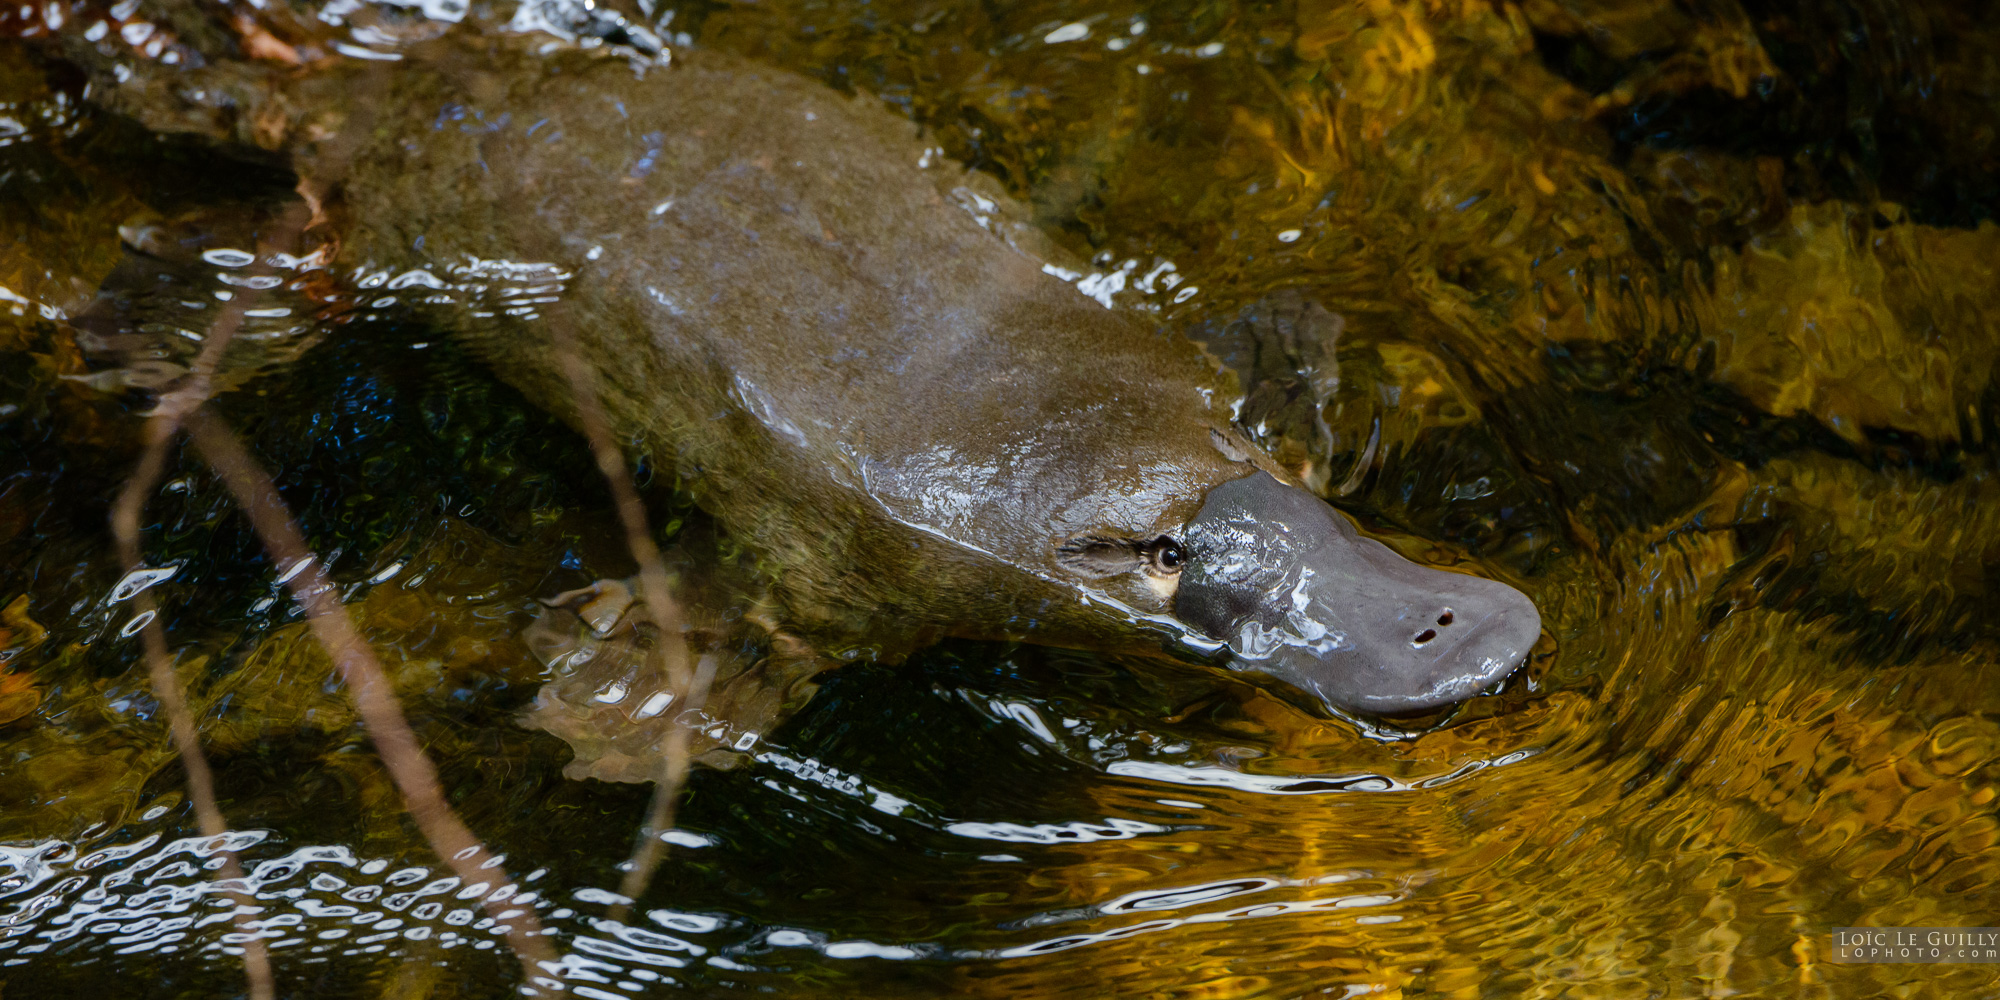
(921,430)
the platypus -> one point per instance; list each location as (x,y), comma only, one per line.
(865,369)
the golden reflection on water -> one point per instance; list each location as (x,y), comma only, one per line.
(1697,827)
(1719,399)
(1770,714)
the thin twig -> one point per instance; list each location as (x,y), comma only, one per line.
(647,851)
(182,408)
(126,514)
(672,656)
(670,653)
(200,780)
(374,698)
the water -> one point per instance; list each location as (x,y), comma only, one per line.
(1684,322)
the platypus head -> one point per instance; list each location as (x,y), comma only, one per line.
(1296,593)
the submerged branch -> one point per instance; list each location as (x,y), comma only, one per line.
(367,684)
(182,408)
(670,653)
(180,722)
(126,515)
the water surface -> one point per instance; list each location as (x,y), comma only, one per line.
(1683,321)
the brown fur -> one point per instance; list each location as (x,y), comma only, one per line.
(876,387)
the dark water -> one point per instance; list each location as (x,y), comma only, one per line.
(1682,317)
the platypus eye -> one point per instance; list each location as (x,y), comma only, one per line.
(1164,557)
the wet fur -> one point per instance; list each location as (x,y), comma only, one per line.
(880,392)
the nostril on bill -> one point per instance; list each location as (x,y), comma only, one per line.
(1444,618)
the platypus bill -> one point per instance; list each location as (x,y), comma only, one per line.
(923,432)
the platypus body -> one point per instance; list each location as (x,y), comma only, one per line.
(856,358)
